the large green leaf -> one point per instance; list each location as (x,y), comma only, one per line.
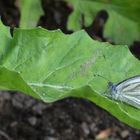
(50,65)
(123,24)
(31,10)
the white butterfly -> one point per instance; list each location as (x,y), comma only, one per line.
(127,91)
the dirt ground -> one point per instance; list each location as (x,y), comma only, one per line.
(24,118)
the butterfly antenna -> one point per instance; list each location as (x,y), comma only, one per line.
(102,77)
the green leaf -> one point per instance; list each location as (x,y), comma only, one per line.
(123,24)
(5,39)
(50,65)
(31,10)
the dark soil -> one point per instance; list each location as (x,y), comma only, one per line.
(24,118)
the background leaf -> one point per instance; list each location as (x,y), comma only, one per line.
(5,39)
(31,10)
(50,66)
(123,24)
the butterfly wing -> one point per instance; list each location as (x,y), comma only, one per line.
(130,91)
(131,100)
(130,85)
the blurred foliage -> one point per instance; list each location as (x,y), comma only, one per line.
(123,24)
(31,10)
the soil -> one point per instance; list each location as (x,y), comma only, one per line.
(25,118)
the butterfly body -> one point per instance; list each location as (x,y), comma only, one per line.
(127,91)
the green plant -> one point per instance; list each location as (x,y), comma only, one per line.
(123,24)
(122,27)
(50,65)
(31,11)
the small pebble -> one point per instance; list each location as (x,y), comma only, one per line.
(14,124)
(32,120)
(85,128)
(50,138)
(39,108)
(125,134)
(93,127)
